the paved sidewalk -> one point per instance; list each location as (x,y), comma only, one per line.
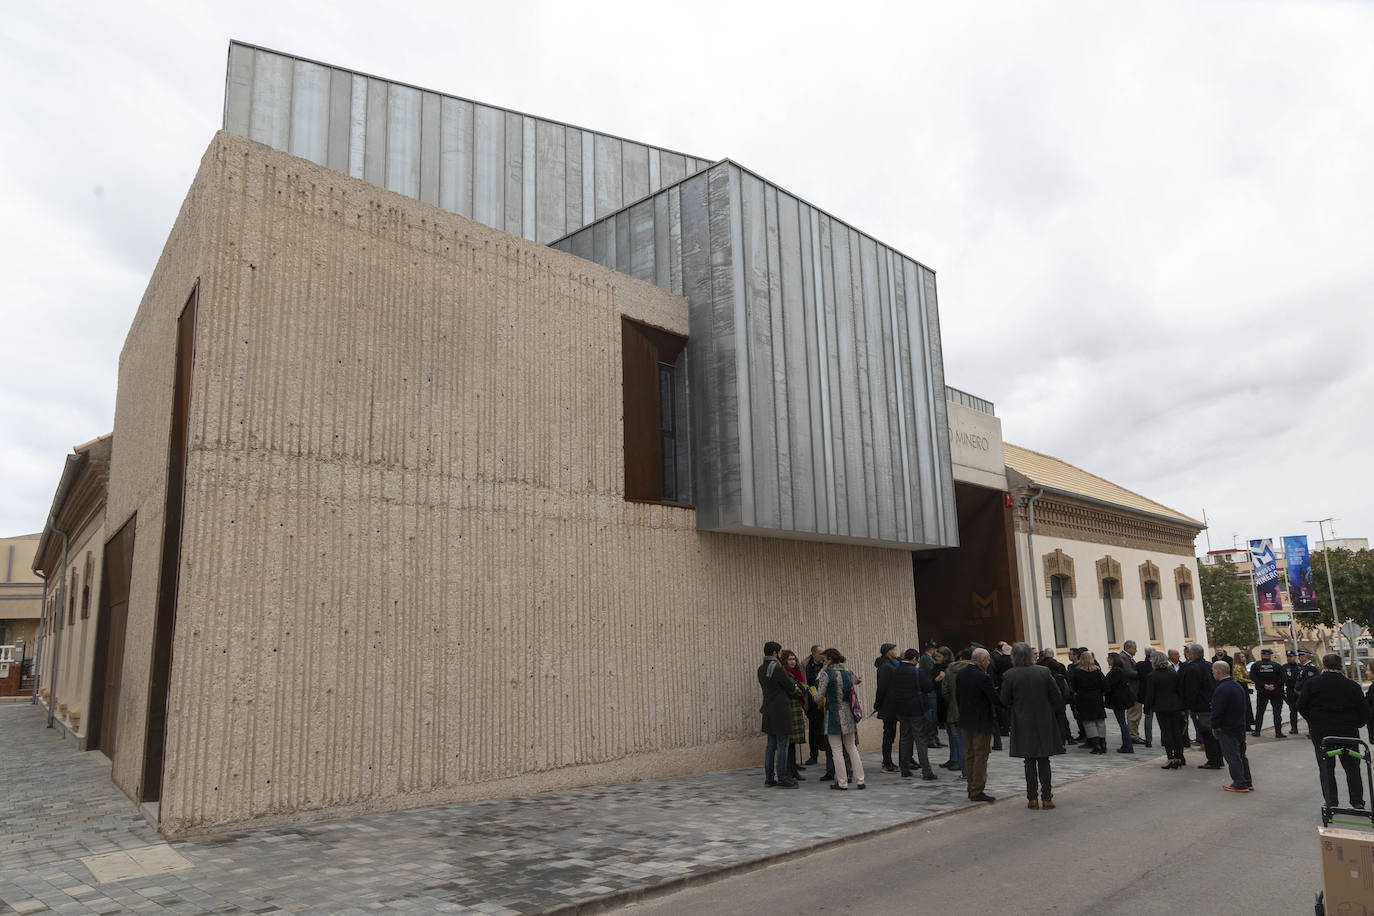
(70,842)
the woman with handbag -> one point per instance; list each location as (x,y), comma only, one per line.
(799,723)
(836,684)
(1090,689)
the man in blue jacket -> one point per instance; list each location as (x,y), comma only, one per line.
(1228,726)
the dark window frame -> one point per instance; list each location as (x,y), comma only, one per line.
(652,382)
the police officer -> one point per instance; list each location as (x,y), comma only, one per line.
(1269,686)
(1295,675)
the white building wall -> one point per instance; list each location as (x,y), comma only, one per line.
(1085,615)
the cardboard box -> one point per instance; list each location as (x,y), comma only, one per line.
(1348,870)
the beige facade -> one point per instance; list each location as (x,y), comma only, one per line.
(1102,565)
(407,570)
(21,591)
(69,631)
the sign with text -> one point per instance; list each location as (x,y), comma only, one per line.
(1266,573)
(1302,594)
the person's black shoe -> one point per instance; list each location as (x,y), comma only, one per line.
(861,786)
(828,777)
(798,776)
(935,743)
(1149,743)
(906,774)
(788,784)
(769,783)
(836,785)
(1125,750)
(1209,766)
(1280,735)
(889,768)
(1357,804)
(982,797)
(950,765)
(811,761)
(929,777)
(801,766)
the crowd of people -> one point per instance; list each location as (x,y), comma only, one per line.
(978,696)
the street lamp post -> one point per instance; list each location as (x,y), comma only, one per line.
(1335,614)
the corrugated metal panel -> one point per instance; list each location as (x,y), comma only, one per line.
(817,381)
(510,171)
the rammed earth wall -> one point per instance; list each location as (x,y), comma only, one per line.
(408,573)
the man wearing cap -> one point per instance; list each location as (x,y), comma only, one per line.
(1297,671)
(1268,677)
(886,663)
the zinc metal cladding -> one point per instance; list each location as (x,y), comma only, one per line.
(528,176)
(815,360)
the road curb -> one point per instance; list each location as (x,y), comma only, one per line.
(612,899)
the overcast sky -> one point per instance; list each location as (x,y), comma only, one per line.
(1152,224)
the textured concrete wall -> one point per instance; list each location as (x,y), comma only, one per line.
(409,574)
(138,462)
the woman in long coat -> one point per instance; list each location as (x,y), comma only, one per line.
(799,723)
(1090,691)
(836,684)
(1029,691)
(1162,695)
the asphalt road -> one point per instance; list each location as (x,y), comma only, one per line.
(1139,840)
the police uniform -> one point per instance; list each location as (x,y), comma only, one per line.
(1267,675)
(1303,671)
(1290,688)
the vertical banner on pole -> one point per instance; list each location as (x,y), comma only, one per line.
(1266,572)
(1302,591)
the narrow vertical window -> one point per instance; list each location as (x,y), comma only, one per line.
(1183,597)
(1061,630)
(1107,609)
(667,429)
(656,434)
(1150,610)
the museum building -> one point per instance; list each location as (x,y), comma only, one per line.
(462,453)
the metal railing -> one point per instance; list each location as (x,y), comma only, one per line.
(970,401)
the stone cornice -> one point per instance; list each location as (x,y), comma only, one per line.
(1060,516)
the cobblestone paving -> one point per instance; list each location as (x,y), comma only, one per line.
(509,856)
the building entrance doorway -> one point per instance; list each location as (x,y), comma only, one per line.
(966,594)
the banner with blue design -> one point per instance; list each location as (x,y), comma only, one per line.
(1302,593)
(1266,573)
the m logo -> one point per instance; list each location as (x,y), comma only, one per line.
(1265,555)
(985,605)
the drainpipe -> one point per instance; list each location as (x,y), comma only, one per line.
(1030,555)
(57,631)
(39,643)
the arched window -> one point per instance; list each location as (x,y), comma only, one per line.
(1109,586)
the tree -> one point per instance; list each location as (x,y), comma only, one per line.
(1352,574)
(1227,606)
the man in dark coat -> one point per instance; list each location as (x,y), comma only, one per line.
(1029,693)
(1228,726)
(1195,683)
(930,665)
(1060,675)
(1268,677)
(905,695)
(978,706)
(1333,706)
(815,734)
(886,663)
(1143,669)
(1135,710)
(780,690)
